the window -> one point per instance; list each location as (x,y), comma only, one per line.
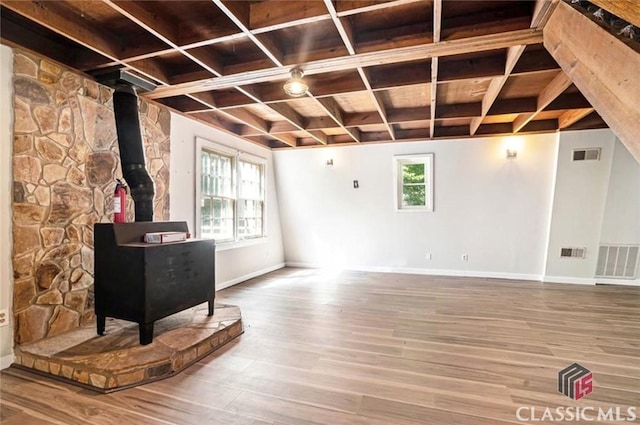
(231,193)
(414,182)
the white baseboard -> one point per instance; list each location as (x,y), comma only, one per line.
(429,272)
(241,279)
(626,282)
(6,361)
(569,279)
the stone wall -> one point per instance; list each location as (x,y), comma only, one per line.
(65,162)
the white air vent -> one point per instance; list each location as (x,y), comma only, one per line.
(591,154)
(618,261)
(572,252)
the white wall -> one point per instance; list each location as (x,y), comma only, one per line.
(234,265)
(6,143)
(579,204)
(493,209)
(621,222)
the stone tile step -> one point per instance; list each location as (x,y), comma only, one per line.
(116,360)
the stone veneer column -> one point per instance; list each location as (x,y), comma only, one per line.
(65,162)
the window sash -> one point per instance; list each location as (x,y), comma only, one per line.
(404,186)
(231,193)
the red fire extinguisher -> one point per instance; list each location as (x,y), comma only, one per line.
(120,203)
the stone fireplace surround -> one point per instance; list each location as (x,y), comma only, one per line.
(65,162)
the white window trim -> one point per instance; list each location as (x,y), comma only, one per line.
(204,144)
(426,158)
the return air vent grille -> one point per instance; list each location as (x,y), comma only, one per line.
(591,154)
(618,261)
(572,252)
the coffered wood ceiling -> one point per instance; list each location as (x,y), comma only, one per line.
(378,71)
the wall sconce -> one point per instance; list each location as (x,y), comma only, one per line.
(330,162)
(512,153)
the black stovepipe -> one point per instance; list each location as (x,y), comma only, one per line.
(125,106)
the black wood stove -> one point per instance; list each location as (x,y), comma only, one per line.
(144,282)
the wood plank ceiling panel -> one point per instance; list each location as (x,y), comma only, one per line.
(377,70)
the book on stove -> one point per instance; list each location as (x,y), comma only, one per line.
(165,237)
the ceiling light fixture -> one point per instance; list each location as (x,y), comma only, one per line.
(296,86)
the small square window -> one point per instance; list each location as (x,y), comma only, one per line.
(414,182)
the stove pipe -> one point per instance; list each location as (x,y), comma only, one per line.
(125,106)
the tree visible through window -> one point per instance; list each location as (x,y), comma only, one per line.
(414,182)
(231,192)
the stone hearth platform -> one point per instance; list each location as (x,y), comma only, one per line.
(116,360)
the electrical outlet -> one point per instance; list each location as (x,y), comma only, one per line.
(465,257)
(427,256)
(4,317)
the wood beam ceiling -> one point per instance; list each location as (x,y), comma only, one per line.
(629,10)
(554,89)
(541,13)
(613,90)
(402,54)
(377,70)
(437,27)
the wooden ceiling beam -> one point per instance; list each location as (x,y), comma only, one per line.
(231,99)
(362,118)
(151,68)
(185,104)
(189,76)
(289,114)
(207,59)
(227,9)
(206,98)
(530,104)
(379,104)
(217,121)
(155,24)
(479,24)
(347,38)
(496,85)
(571,117)
(332,108)
(388,76)
(460,110)
(391,38)
(263,17)
(569,101)
(397,116)
(602,67)
(489,66)
(88,63)
(437,25)
(350,7)
(533,61)
(164,31)
(15,34)
(404,54)
(541,12)
(559,84)
(318,123)
(282,127)
(74,28)
(70,26)
(629,10)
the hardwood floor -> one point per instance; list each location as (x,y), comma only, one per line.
(379,349)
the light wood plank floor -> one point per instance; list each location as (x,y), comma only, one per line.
(378,349)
